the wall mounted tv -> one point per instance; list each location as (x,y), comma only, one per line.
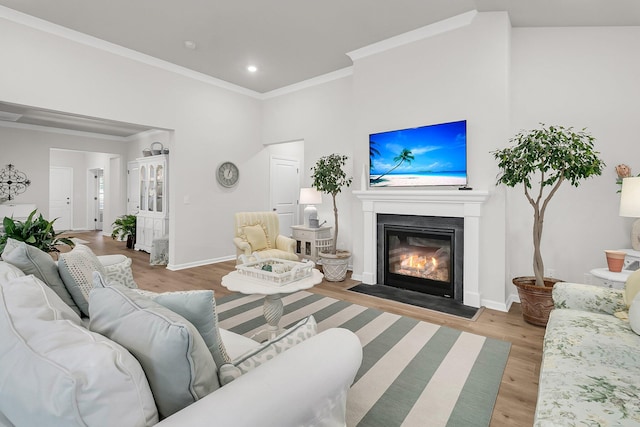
(424,156)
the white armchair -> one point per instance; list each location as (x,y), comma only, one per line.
(260,232)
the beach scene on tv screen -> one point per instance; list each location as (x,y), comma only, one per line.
(422,156)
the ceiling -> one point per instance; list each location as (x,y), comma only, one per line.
(289,41)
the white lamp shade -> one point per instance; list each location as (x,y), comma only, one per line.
(310,196)
(630,197)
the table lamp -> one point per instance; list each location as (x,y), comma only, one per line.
(310,197)
(630,206)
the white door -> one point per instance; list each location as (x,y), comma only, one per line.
(133,188)
(284,188)
(61,197)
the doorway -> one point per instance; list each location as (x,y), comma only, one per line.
(284,187)
(61,197)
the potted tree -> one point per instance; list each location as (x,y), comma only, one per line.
(329,177)
(124,227)
(541,160)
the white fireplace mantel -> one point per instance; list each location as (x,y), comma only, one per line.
(465,204)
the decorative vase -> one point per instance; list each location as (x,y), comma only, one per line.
(536,301)
(615,260)
(334,266)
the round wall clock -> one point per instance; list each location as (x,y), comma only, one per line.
(227,174)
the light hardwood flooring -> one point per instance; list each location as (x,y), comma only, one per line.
(518,391)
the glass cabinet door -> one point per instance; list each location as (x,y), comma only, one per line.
(151,189)
(159,184)
(143,188)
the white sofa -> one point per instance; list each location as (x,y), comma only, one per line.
(304,385)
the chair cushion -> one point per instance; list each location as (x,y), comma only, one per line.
(54,370)
(175,358)
(301,331)
(631,287)
(76,270)
(120,272)
(256,236)
(32,260)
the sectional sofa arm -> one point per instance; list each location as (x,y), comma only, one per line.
(596,299)
(306,385)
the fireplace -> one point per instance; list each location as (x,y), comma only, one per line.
(421,253)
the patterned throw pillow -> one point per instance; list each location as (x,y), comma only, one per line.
(76,270)
(121,273)
(301,331)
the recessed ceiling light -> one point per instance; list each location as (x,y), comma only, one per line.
(252,68)
(190,44)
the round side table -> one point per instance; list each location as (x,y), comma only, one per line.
(610,279)
(273,307)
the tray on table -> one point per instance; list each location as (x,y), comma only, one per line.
(276,271)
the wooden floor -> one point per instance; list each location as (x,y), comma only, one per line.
(517,396)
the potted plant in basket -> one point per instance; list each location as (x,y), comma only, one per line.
(124,227)
(541,160)
(329,177)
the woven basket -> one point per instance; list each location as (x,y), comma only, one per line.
(156,148)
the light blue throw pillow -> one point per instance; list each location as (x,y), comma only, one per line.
(174,356)
(32,260)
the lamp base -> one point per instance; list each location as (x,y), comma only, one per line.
(635,235)
(310,212)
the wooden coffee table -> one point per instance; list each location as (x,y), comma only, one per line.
(273,307)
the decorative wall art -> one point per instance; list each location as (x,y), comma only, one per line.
(12,182)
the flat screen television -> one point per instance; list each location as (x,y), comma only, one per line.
(433,155)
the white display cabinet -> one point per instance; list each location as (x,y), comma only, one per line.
(153,216)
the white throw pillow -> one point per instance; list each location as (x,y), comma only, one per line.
(301,331)
(54,371)
(76,270)
(175,358)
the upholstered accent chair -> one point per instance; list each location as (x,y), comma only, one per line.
(260,232)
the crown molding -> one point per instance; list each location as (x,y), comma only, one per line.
(431,30)
(314,81)
(78,37)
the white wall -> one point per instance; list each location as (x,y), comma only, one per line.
(581,77)
(323,117)
(209,124)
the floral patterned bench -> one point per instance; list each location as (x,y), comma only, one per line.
(590,373)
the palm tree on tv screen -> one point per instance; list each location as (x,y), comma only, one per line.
(373,152)
(404,156)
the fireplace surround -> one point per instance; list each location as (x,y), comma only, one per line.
(465,204)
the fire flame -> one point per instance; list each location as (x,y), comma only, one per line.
(419,263)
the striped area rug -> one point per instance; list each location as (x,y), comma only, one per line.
(413,373)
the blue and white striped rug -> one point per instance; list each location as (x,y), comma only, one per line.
(413,373)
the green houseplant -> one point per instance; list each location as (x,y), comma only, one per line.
(328,176)
(34,231)
(124,227)
(541,160)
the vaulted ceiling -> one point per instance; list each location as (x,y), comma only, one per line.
(289,41)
